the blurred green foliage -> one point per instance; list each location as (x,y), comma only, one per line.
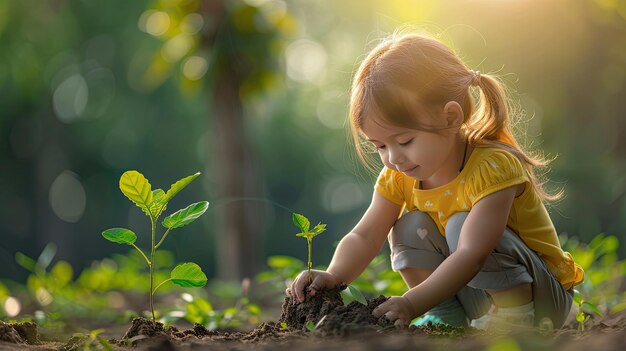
(605,273)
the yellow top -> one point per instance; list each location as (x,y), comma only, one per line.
(487,171)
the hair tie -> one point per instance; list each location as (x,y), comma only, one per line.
(475,78)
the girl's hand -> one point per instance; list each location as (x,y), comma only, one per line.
(321,280)
(397,309)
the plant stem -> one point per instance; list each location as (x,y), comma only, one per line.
(158,286)
(142,254)
(163,238)
(310,264)
(152,268)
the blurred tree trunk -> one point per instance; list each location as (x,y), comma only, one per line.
(237,222)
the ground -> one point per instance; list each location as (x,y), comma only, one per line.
(332,326)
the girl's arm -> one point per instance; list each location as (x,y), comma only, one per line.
(355,250)
(480,234)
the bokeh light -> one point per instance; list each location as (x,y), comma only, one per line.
(12,306)
(70,98)
(195,67)
(154,22)
(306,61)
(67,197)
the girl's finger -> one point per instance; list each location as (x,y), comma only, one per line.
(299,288)
(391,315)
(378,311)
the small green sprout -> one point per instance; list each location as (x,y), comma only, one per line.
(137,188)
(357,294)
(90,341)
(310,326)
(283,326)
(581,316)
(304,225)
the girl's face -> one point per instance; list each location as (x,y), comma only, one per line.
(425,156)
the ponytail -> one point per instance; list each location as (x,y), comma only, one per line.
(490,126)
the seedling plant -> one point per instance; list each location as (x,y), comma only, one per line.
(304,225)
(581,316)
(153,203)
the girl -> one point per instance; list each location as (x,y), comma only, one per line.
(476,242)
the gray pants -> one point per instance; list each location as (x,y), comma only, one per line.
(415,242)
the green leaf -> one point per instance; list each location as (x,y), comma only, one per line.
(578,300)
(203,305)
(138,190)
(178,186)
(254,309)
(592,307)
(188,275)
(25,261)
(62,272)
(120,235)
(158,205)
(356,293)
(310,326)
(283,326)
(186,215)
(319,229)
(301,222)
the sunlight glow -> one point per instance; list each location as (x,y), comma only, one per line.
(12,306)
(43,297)
(191,24)
(154,22)
(195,67)
(306,61)
(177,47)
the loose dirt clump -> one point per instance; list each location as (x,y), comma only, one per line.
(329,315)
(296,316)
(19,333)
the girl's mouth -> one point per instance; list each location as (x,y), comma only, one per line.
(409,170)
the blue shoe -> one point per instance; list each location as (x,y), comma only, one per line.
(425,319)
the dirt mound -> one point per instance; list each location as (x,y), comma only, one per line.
(325,310)
(329,315)
(19,333)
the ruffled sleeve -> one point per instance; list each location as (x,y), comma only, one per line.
(390,185)
(496,171)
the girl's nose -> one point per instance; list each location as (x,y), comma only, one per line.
(395,157)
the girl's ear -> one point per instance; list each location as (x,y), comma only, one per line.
(453,113)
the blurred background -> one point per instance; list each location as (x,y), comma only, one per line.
(254,94)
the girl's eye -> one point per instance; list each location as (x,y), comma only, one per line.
(406,143)
(380,147)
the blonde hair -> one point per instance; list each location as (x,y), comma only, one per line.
(405,71)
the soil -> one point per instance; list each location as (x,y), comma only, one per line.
(322,322)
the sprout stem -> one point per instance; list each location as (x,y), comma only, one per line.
(310,264)
(158,286)
(141,252)
(163,238)
(152,268)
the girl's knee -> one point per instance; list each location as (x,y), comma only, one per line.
(412,228)
(415,242)
(453,229)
